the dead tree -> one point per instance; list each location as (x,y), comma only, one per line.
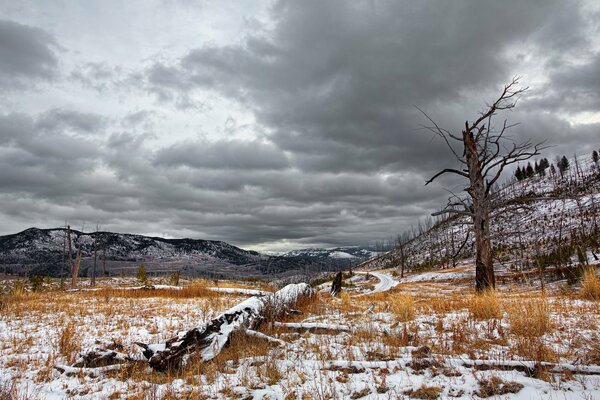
(74,264)
(93,283)
(402,241)
(336,285)
(486,153)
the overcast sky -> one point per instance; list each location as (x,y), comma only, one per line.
(271,125)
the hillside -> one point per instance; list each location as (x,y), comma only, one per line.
(539,222)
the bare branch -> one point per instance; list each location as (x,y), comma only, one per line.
(445,171)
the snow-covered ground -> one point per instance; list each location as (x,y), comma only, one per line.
(357,346)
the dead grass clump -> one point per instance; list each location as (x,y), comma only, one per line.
(592,355)
(403,307)
(425,392)
(590,285)
(361,393)
(446,304)
(68,343)
(9,391)
(495,386)
(485,305)
(530,318)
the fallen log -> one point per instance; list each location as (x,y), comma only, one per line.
(207,340)
(313,326)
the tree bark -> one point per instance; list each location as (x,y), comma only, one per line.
(484,266)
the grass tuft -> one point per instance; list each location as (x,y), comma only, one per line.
(485,305)
(590,285)
(530,318)
(403,307)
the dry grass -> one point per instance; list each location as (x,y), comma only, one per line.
(194,289)
(530,318)
(68,342)
(446,304)
(590,285)
(495,386)
(403,307)
(486,305)
(425,392)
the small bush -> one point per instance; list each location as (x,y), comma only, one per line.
(590,286)
(18,288)
(485,305)
(36,283)
(142,275)
(174,278)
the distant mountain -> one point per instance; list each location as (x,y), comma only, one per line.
(44,252)
(342,254)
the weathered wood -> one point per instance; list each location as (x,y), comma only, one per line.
(336,286)
(484,266)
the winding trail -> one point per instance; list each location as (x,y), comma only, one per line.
(386,281)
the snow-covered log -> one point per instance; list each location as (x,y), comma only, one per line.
(208,340)
(313,326)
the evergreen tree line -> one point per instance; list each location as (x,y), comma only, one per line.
(562,165)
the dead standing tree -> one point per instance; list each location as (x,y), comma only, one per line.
(486,153)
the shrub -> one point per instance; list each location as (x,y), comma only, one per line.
(18,288)
(142,275)
(36,283)
(174,279)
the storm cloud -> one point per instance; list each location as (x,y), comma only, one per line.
(275,125)
(26,54)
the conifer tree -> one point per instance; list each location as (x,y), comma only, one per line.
(519,174)
(529,172)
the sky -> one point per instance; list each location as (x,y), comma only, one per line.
(272,125)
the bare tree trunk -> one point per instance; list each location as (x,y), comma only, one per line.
(104,258)
(73,283)
(93,283)
(74,264)
(484,265)
(64,253)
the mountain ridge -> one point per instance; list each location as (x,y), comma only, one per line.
(43,251)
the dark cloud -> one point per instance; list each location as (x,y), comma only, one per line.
(26,53)
(574,88)
(229,155)
(335,83)
(301,130)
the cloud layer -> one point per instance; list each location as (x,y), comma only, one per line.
(291,124)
